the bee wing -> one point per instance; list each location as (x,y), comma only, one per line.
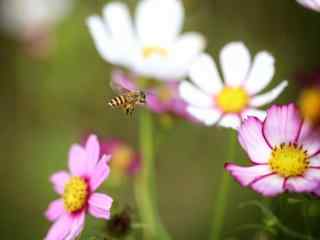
(121,84)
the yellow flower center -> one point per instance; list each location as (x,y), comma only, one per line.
(232,99)
(154,50)
(289,160)
(164,94)
(121,158)
(75,194)
(309,103)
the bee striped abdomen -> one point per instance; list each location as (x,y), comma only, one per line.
(117,101)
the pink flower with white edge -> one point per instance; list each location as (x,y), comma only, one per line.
(211,101)
(77,189)
(284,151)
(311,4)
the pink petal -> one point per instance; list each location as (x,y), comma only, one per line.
(313,174)
(100,173)
(300,184)
(246,175)
(269,186)
(317,190)
(315,161)
(309,139)
(253,112)
(99,205)
(252,140)
(120,79)
(60,229)
(59,179)
(77,225)
(55,210)
(282,124)
(77,160)
(93,152)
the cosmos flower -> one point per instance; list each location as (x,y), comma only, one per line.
(151,46)
(309,98)
(161,98)
(77,189)
(212,101)
(311,4)
(284,151)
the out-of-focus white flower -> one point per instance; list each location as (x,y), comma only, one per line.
(311,4)
(19,16)
(212,101)
(151,46)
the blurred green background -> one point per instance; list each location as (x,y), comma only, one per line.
(48,104)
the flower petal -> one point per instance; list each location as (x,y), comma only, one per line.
(159,22)
(313,174)
(187,47)
(208,116)
(205,75)
(230,121)
(59,179)
(235,62)
(60,229)
(252,140)
(315,161)
(268,97)
(55,210)
(246,175)
(253,112)
(92,151)
(261,73)
(100,173)
(99,205)
(311,4)
(193,95)
(121,80)
(300,184)
(269,186)
(282,124)
(102,40)
(78,160)
(309,139)
(77,226)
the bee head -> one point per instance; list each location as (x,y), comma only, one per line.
(142,97)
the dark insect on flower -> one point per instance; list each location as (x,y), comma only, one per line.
(120,224)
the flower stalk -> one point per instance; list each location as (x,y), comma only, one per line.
(145,182)
(223,191)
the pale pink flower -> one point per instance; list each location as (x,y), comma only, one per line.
(77,189)
(284,151)
(227,103)
(311,4)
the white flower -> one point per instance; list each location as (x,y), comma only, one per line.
(212,101)
(151,46)
(18,16)
(311,4)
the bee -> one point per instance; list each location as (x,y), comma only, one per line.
(128,98)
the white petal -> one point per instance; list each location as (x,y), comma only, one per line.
(159,22)
(268,97)
(235,63)
(208,116)
(194,96)
(254,113)
(204,73)
(101,38)
(261,73)
(119,23)
(186,49)
(230,121)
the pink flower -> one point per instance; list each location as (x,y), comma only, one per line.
(284,151)
(77,189)
(162,98)
(311,4)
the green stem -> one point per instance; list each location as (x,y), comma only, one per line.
(222,193)
(145,182)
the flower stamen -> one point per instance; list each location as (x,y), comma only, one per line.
(154,50)
(232,99)
(289,160)
(75,194)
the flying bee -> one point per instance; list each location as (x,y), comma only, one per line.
(128,98)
